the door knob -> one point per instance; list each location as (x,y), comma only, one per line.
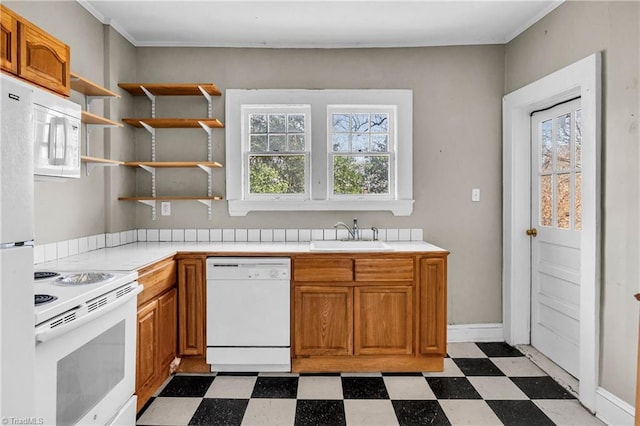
(532,232)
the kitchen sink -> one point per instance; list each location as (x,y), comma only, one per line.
(349,245)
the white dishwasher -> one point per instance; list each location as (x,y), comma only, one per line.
(248,316)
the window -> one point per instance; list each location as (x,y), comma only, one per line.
(319,150)
(276,150)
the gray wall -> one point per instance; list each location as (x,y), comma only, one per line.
(457,94)
(571,32)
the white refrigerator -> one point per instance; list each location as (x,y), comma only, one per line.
(17,330)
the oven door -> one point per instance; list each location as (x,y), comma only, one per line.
(85,375)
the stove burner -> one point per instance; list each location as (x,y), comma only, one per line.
(40,275)
(41,299)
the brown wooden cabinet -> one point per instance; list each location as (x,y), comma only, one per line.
(33,54)
(192,306)
(366,312)
(157,327)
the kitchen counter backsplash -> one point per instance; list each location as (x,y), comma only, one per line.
(59,250)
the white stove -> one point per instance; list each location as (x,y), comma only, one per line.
(74,289)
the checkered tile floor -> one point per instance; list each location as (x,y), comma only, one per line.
(482,384)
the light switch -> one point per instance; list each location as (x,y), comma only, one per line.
(475,194)
(165,208)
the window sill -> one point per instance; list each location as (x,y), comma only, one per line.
(397,207)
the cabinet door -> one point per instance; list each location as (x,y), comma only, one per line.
(147,354)
(433,306)
(323,320)
(44,60)
(191,309)
(383,320)
(167,327)
(9,41)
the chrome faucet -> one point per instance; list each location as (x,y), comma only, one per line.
(354,231)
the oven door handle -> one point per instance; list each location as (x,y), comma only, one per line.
(47,334)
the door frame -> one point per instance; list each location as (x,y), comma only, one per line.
(582,78)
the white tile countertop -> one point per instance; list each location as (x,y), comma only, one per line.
(130,257)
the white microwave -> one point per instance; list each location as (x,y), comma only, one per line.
(57,136)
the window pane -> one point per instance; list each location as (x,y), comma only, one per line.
(277,143)
(258,123)
(578,139)
(296,142)
(360,174)
(295,123)
(563,142)
(276,174)
(360,143)
(379,143)
(359,123)
(578,201)
(546,143)
(340,142)
(277,123)
(563,201)
(379,123)
(258,143)
(340,122)
(546,200)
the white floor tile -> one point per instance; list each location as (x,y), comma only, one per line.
(450,370)
(270,412)
(369,412)
(464,350)
(567,412)
(313,387)
(497,388)
(231,387)
(408,388)
(469,412)
(518,367)
(169,411)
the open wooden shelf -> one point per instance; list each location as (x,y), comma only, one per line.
(173,164)
(170,89)
(96,160)
(90,118)
(89,88)
(174,123)
(173,198)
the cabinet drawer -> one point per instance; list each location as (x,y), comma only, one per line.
(156,279)
(323,269)
(384,269)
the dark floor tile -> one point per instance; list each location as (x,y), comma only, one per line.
(144,408)
(238,373)
(518,413)
(478,367)
(498,349)
(452,388)
(275,387)
(187,386)
(419,412)
(311,412)
(212,411)
(319,374)
(405,374)
(364,388)
(543,387)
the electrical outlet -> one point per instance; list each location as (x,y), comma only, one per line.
(475,194)
(165,208)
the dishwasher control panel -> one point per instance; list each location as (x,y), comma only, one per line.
(243,268)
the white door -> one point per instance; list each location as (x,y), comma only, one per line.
(556,216)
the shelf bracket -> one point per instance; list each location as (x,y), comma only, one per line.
(209,171)
(91,166)
(153,139)
(151,170)
(209,204)
(152,204)
(152,98)
(208,130)
(207,96)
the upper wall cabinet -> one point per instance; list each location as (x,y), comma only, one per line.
(34,55)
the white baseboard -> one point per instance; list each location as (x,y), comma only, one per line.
(475,333)
(612,410)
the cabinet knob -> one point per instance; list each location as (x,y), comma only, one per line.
(532,232)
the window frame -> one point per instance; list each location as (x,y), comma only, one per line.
(401,204)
